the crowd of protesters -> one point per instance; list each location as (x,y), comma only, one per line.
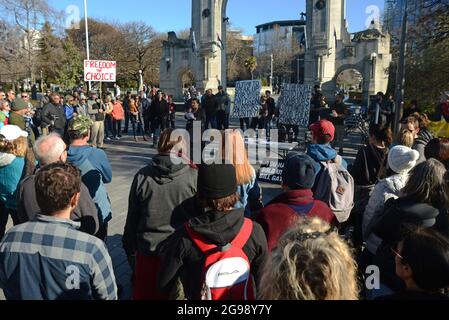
(187,224)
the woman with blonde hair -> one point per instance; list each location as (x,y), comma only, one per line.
(311,262)
(13,151)
(234,152)
(406,138)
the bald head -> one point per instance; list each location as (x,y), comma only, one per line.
(50,149)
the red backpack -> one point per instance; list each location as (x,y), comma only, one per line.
(226,273)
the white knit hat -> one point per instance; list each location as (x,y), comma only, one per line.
(402,159)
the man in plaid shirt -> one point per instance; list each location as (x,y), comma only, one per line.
(48,258)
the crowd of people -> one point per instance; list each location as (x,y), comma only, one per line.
(203,231)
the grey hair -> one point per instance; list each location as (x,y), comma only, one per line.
(426,183)
(48,149)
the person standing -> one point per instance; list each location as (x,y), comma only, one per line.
(298,178)
(216,223)
(53,115)
(127,114)
(272,112)
(97,115)
(136,118)
(13,150)
(5,111)
(17,117)
(31,269)
(118,115)
(339,112)
(156,192)
(109,130)
(224,109)
(172,116)
(159,112)
(52,149)
(10,96)
(145,105)
(210,105)
(95,169)
(380,109)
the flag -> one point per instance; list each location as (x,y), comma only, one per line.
(194,45)
(220,42)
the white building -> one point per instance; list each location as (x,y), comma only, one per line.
(287,32)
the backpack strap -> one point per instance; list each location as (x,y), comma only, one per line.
(245,233)
(206,248)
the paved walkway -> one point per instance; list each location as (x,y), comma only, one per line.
(127,158)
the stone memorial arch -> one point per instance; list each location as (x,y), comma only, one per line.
(331,49)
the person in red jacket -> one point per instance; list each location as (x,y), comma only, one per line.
(298,178)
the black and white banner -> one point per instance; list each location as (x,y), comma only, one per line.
(294,104)
(247,99)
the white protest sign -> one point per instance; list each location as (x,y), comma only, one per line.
(99,70)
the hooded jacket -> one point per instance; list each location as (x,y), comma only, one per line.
(96,171)
(385,190)
(12,170)
(322,153)
(420,143)
(28,208)
(156,193)
(281,213)
(183,262)
(399,215)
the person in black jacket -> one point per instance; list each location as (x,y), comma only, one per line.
(424,203)
(156,192)
(210,105)
(368,169)
(53,115)
(422,263)
(158,113)
(219,224)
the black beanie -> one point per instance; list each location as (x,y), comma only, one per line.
(299,171)
(217,181)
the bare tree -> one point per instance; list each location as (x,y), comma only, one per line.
(28,16)
(143,47)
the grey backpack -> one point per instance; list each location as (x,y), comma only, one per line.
(336,188)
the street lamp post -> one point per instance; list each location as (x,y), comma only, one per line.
(271,72)
(87,37)
(297,70)
(400,77)
(141,81)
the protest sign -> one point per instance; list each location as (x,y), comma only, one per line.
(247,99)
(101,71)
(294,104)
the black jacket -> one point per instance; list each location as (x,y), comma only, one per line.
(159,109)
(85,212)
(183,262)
(399,217)
(54,113)
(156,192)
(367,166)
(210,105)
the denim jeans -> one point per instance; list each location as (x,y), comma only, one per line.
(212,120)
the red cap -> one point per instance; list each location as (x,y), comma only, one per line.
(322,128)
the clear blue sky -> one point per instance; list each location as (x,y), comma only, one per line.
(168,15)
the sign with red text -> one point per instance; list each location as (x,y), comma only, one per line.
(100,71)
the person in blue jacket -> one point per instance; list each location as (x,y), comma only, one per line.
(323,133)
(95,169)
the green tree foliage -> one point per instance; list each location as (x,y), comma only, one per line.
(71,72)
(251,65)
